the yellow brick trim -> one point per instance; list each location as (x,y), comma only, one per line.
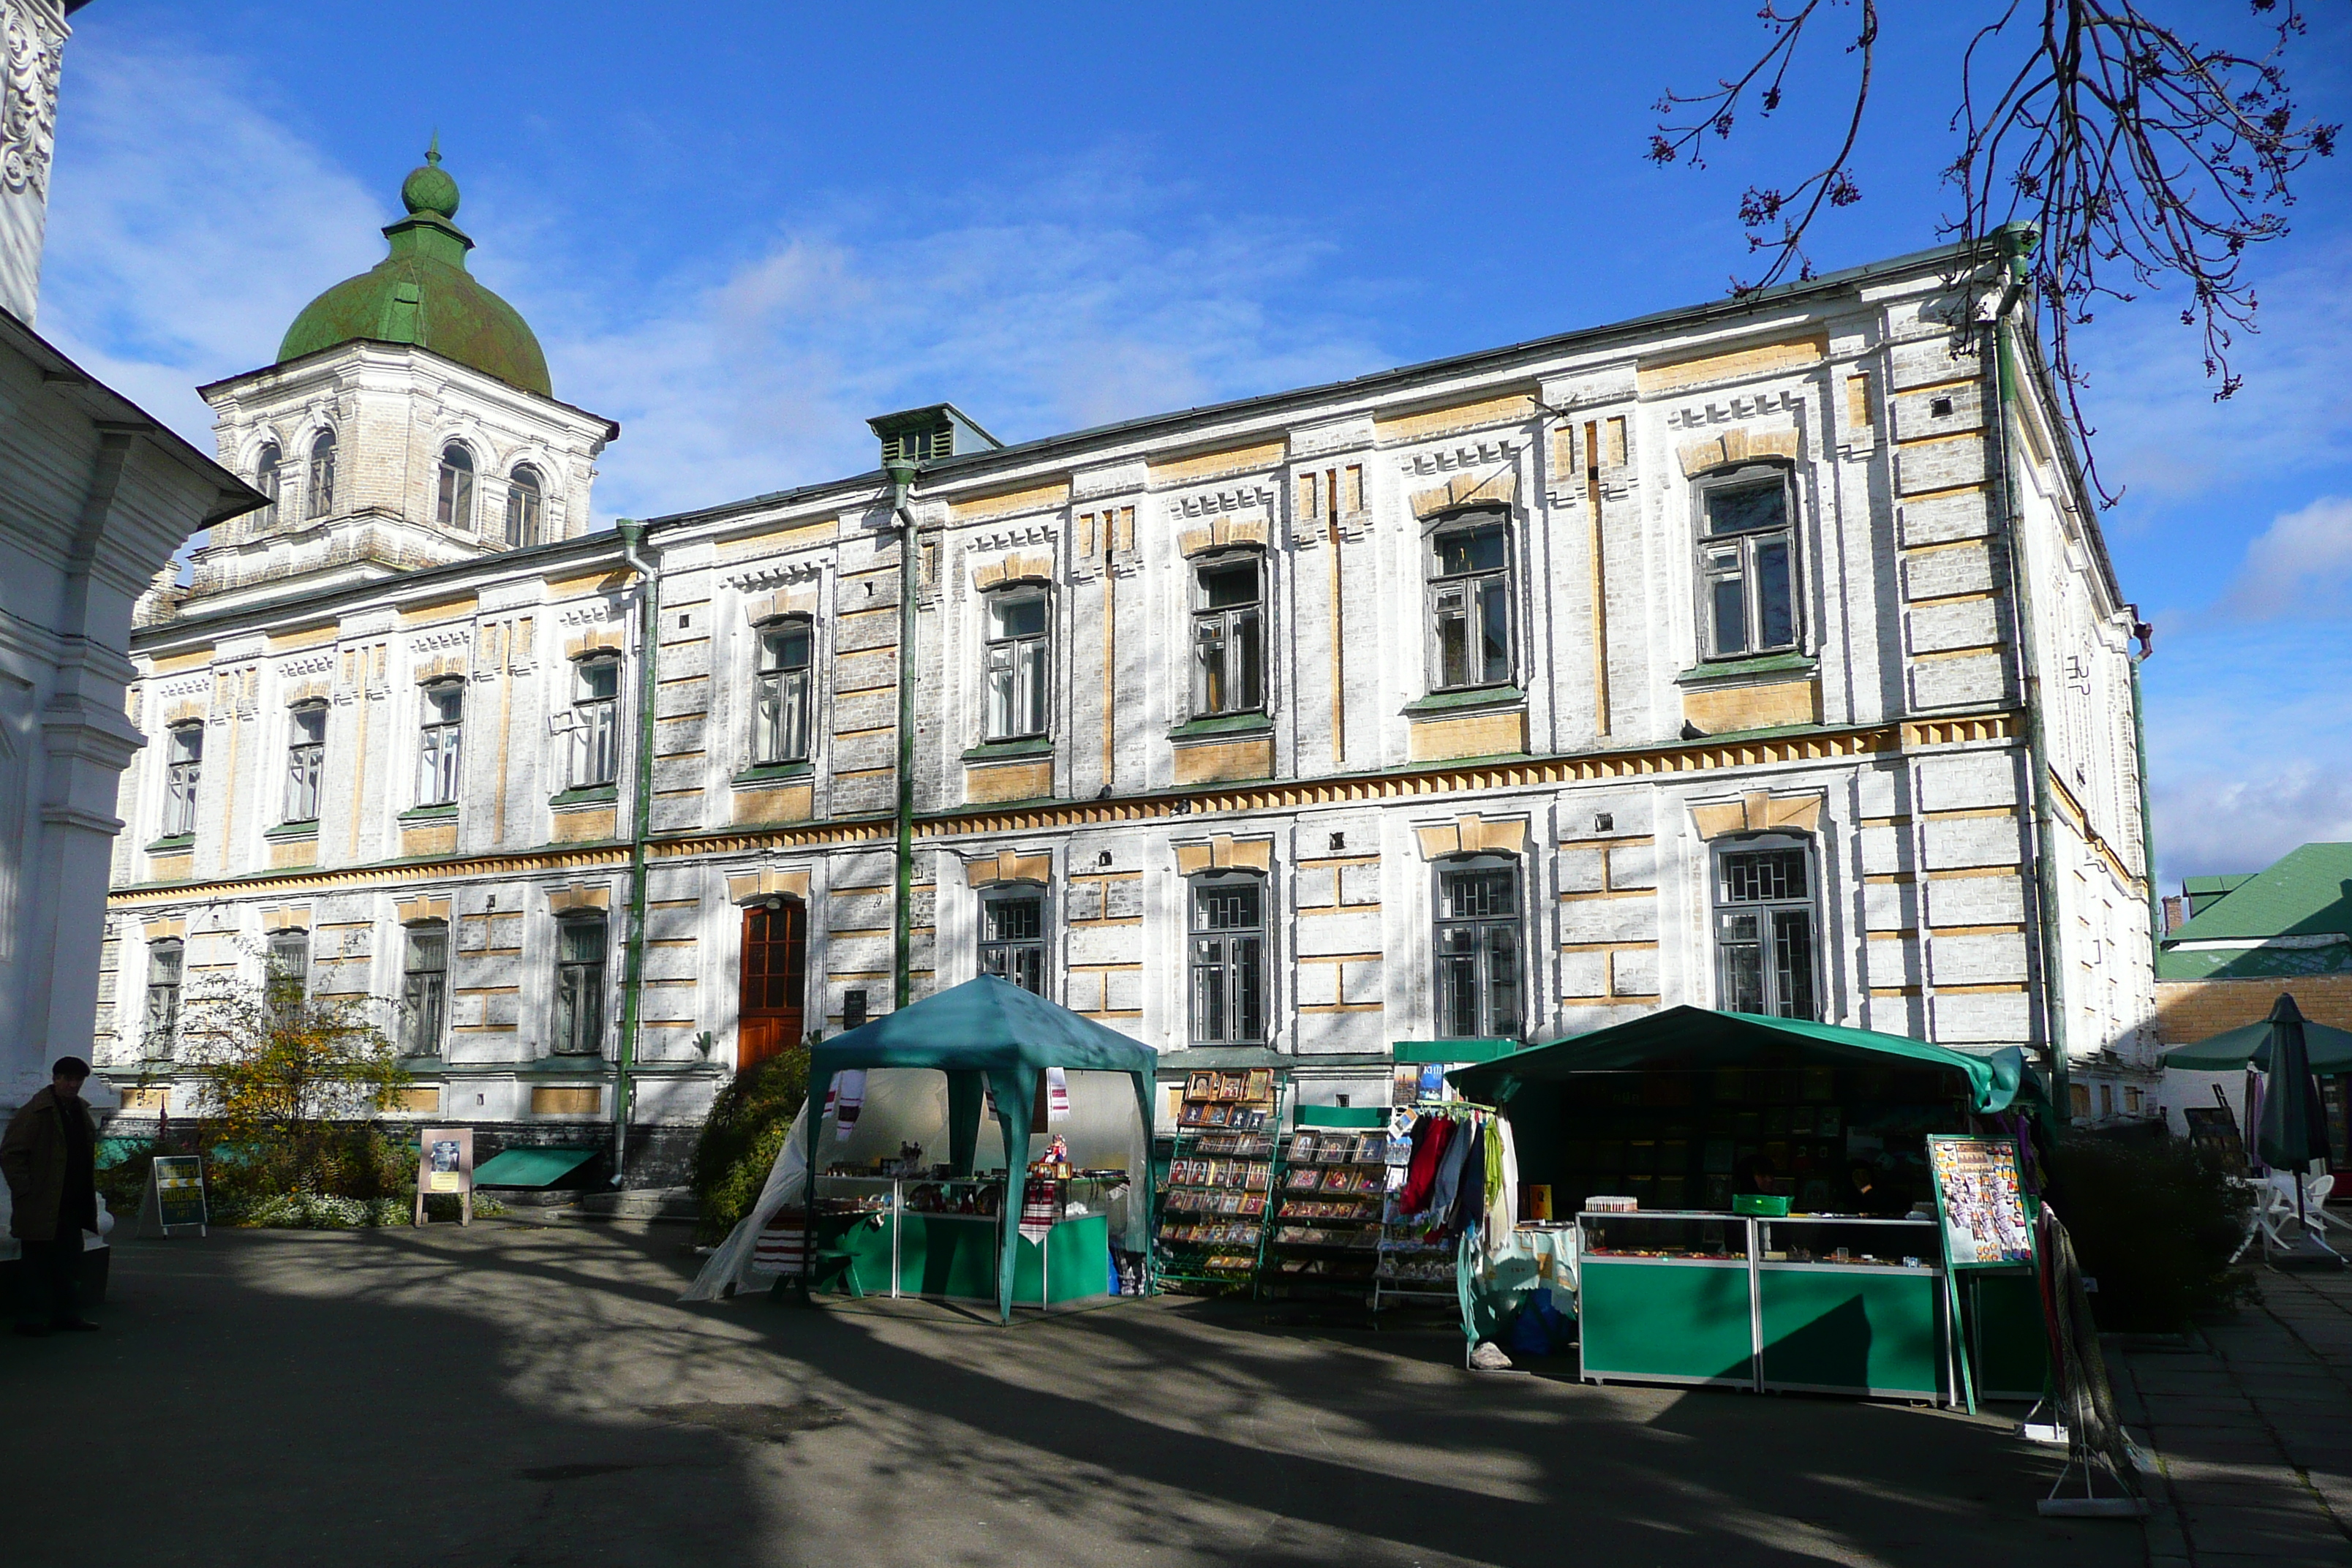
(1216,464)
(438,610)
(1008,503)
(1510,409)
(1762,359)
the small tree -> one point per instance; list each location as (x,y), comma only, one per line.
(284,1073)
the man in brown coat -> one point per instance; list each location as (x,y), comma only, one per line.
(48,1156)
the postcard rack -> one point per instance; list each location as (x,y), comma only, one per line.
(1326,1229)
(1212,1208)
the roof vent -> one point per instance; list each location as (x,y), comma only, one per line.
(928,434)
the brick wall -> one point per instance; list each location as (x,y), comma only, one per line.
(2191,1010)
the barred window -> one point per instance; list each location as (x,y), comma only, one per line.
(1013,938)
(440,743)
(1470,606)
(580,987)
(1748,562)
(784,692)
(1228,959)
(526,498)
(424,988)
(1480,943)
(184,770)
(1765,924)
(456,507)
(306,755)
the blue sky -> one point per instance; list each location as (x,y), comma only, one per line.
(740,230)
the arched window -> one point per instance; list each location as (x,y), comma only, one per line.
(1019,656)
(785,647)
(321,499)
(1747,561)
(1470,603)
(264,479)
(525,496)
(457,486)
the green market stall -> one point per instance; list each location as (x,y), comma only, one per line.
(993,1042)
(1668,1120)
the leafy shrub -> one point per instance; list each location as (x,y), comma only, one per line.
(320,1211)
(2154,1221)
(363,1174)
(738,1143)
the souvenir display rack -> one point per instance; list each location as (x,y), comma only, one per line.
(1417,1254)
(1329,1183)
(1212,1208)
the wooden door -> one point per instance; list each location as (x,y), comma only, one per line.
(775,980)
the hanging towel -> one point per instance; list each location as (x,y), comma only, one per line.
(1057,1094)
(1502,1188)
(848,1098)
(1449,1173)
(1429,1136)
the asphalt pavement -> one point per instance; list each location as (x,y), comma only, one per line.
(525,1393)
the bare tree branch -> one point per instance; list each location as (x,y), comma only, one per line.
(2142,157)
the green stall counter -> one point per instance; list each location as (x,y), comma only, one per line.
(898,1251)
(1665,1320)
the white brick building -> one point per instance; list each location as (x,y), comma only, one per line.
(1733,655)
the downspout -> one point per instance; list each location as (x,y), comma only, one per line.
(632,963)
(2147,636)
(2016,241)
(902,921)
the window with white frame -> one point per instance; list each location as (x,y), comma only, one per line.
(440,743)
(525,499)
(1228,959)
(423,987)
(289,965)
(1470,603)
(318,496)
(1747,561)
(184,770)
(1228,635)
(457,498)
(595,721)
(1481,947)
(1019,655)
(305,756)
(267,465)
(1765,926)
(580,987)
(165,961)
(786,657)
(1013,938)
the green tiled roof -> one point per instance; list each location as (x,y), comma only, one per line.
(2307,893)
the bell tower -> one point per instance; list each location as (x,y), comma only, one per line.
(407,422)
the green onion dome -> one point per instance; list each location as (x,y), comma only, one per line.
(422,294)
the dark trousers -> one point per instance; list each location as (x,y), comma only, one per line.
(48,1281)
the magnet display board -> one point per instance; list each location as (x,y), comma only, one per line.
(1981,1202)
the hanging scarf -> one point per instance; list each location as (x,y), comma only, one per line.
(1449,1173)
(1429,1138)
(1470,1194)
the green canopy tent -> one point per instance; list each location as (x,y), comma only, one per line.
(1701,1037)
(2331,1049)
(988,1033)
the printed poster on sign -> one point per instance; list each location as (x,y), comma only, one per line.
(1981,1202)
(444,1168)
(175,1196)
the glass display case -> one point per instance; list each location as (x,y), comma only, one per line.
(1823,1303)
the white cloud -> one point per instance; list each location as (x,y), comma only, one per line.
(2159,432)
(2299,568)
(2211,824)
(186,227)
(190,226)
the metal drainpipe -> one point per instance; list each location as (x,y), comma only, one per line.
(2146,635)
(902,932)
(633,970)
(2018,243)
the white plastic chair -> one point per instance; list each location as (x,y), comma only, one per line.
(2274,1214)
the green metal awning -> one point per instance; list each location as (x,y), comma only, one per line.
(1423,1051)
(1696,1037)
(532,1167)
